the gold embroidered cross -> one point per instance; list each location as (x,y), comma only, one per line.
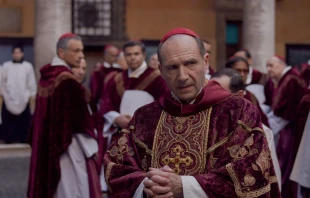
(177,160)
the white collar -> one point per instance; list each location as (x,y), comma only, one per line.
(288,68)
(250,76)
(308,62)
(138,72)
(108,65)
(59,62)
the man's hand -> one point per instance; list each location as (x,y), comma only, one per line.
(163,183)
(122,121)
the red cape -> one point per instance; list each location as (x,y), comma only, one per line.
(61,110)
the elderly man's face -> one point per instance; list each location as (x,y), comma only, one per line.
(183,66)
(275,68)
(73,54)
(80,71)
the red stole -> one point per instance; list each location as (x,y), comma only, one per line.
(99,77)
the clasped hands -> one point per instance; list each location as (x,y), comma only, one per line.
(163,183)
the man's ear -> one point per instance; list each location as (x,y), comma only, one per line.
(240,93)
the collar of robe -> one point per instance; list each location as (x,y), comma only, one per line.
(210,95)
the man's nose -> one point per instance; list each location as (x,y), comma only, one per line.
(183,75)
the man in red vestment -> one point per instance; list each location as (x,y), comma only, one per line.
(99,75)
(62,133)
(284,92)
(305,72)
(197,141)
(138,79)
(254,76)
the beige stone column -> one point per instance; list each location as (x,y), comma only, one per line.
(53,18)
(259,30)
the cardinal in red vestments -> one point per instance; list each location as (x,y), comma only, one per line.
(254,76)
(197,141)
(242,67)
(284,92)
(305,72)
(105,71)
(62,133)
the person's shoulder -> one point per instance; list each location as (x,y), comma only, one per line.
(7,63)
(234,104)
(27,63)
(148,110)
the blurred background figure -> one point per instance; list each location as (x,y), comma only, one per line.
(153,61)
(18,90)
(79,72)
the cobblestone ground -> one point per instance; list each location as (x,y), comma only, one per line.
(14,177)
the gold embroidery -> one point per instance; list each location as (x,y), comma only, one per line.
(191,136)
(144,163)
(141,144)
(263,161)
(249,180)
(213,161)
(132,127)
(124,131)
(249,141)
(255,167)
(177,160)
(238,188)
(121,149)
(220,143)
(273,179)
(249,129)
(237,152)
(107,174)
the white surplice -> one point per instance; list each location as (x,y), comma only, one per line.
(18,84)
(301,168)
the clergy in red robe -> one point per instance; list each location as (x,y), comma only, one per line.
(305,72)
(197,141)
(62,133)
(138,78)
(99,76)
(284,92)
(242,67)
(254,76)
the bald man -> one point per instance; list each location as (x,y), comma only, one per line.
(108,69)
(283,94)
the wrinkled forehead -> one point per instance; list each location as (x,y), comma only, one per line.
(177,44)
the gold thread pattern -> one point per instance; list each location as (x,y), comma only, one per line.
(181,142)
(249,129)
(122,148)
(238,188)
(107,174)
(141,144)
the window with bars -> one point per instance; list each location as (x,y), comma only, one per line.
(92,17)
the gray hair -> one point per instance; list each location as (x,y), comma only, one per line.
(63,42)
(200,45)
